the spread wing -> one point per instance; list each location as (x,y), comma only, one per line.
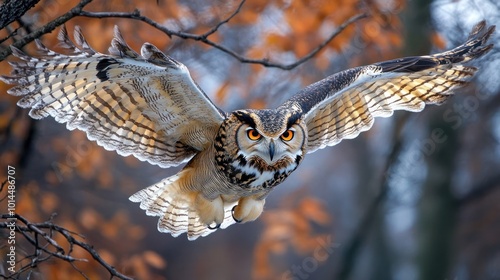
(143,105)
(345,104)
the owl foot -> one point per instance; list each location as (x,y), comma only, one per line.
(248,209)
(210,211)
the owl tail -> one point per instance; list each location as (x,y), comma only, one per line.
(175,207)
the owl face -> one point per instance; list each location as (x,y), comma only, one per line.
(260,148)
(255,144)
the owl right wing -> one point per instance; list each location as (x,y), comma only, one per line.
(345,104)
(143,105)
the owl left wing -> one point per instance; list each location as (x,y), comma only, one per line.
(345,104)
(146,105)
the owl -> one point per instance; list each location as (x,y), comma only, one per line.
(147,105)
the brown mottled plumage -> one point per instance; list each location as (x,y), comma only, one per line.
(147,105)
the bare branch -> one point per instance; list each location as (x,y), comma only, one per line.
(40,235)
(215,28)
(136,15)
(75,11)
(12,10)
(326,42)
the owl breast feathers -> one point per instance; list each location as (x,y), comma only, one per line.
(147,105)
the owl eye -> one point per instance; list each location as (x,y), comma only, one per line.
(287,135)
(253,135)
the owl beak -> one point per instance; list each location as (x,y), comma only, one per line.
(271,150)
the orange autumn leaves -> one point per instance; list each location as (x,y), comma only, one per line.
(294,226)
(308,23)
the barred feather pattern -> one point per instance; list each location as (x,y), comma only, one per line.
(143,105)
(354,110)
(345,104)
(176,209)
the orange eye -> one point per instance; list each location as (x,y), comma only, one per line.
(253,135)
(287,135)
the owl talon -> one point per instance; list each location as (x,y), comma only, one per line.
(214,227)
(211,212)
(232,214)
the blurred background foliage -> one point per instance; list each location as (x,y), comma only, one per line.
(416,197)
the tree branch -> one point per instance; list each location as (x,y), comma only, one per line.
(40,235)
(12,10)
(136,15)
(216,27)
(75,11)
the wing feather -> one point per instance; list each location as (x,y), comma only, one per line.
(176,208)
(345,104)
(143,105)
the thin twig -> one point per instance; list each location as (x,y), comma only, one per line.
(46,28)
(327,41)
(136,15)
(34,232)
(216,27)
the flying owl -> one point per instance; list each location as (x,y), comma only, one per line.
(147,105)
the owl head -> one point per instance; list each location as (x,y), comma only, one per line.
(258,147)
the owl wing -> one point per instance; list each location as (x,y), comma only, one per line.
(143,105)
(345,104)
